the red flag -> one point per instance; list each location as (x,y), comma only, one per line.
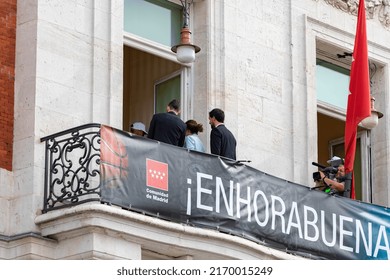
(359,87)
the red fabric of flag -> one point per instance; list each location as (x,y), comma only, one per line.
(358,107)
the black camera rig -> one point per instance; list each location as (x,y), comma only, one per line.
(329,171)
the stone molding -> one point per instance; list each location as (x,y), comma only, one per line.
(153,236)
(379,9)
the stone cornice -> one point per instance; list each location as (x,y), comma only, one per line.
(153,234)
(375,9)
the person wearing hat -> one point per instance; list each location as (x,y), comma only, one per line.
(138,128)
(335,161)
(334,185)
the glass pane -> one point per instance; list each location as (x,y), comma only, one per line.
(166,92)
(332,84)
(156,20)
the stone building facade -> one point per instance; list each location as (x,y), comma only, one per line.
(68,63)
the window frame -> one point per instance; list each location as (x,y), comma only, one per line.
(162,51)
(328,55)
(163,80)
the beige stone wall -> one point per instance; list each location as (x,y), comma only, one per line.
(69,58)
(257,63)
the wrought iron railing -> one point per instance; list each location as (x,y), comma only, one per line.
(72,163)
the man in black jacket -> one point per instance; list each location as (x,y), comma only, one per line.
(168,127)
(222,141)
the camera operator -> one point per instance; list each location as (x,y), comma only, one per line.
(332,179)
(336,185)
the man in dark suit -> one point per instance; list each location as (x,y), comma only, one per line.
(168,127)
(222,141)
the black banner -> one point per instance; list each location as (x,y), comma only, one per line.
(213,192)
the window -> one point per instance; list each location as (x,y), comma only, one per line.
(156,20)
(152,75)
(332,84)
(166,90)
(332,87)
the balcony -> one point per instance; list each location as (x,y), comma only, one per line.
(72,161)
(83,225)
(107,189)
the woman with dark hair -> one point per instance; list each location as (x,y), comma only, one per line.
(192,140)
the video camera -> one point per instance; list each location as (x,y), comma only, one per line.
(329,171)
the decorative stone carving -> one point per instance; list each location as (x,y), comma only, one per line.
(384,13)
(374,8)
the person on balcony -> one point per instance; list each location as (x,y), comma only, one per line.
(138,128)
(168,127)
(336,185)
(333,183)
(192,140)
(222,141)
